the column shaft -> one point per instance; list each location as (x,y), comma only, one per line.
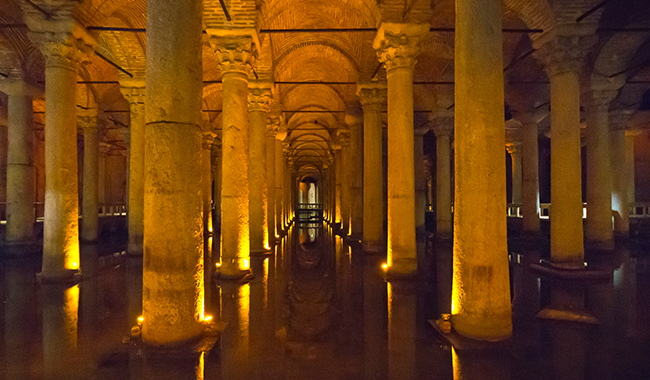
(517,181)
(629,164)
(338,187)
(206,184)
(90,210)
(173,282)
(345,188)
(20,170)
(257,182)
(420,182)
(356,179)
(480,303)
(373,197)
(443,187)
(530,206)
(270,186)
(620,203)
(598,227)
(279,182)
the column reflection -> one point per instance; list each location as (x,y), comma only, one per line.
(60,317)
(401,330)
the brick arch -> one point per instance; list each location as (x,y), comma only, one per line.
(536,14)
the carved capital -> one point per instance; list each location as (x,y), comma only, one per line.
(618,118)
(272,126)
(89,119)
(208,139)
(343,137)
(398,45)
(62,49)
(514,148)
(564,53)
(234,53)
(259,99)
(372,96)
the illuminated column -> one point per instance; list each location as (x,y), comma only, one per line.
(338,183)
(397,47)
(354,120)
(101,182)
(216,175)
(562,54)
(272,127)
(279,185)
(372,97)
(514,149)
(620,202)
(443,127)
(480,304)
(259,98)
(235,54)
(89,120)
(134,93)
(20,160)
(173,288)
(206,180)
(420,180)
(344,141)
(530,161)
(60,328)
(63,51)
(402,330)
(598,226)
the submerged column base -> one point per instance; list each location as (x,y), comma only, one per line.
(68,276)
(402,269)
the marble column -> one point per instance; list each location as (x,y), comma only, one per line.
(272,127)
(397,47)
(216,175)
(530,162)
(598,226)
(64,46)
(620,201)
(420,180)
(480,302)
(259,99)
(515,151)
(338,181)
(443,127)
(372,98)
(173,298)
(206,180)
(344,141)
(562,51)
(279,186)
(89,120)
(134,92)
(235,55)
(20,160)
(354,121)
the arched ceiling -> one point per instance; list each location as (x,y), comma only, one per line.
(313,112)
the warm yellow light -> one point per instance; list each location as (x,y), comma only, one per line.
(384,266)
(218,265)
(75,264)
(208,318)
(245,264)
(140,319)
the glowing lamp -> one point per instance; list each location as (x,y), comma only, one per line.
(384,266)
(140,319)
(246,264)
(208,318)
(75,264)
(218,265)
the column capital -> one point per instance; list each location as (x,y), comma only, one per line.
(286,148)
(618,118)
(236,49)
(372,95)
(135,94)
(89,118)
(514,147)
(272,125)
(208,138)
(564,47)
(20,87)
(398,45)
(343,137)
(442,122)
(259,97)
(353,115)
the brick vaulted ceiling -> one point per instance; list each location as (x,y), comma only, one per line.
(332,56)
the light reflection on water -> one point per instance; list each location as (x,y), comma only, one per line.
(319,309)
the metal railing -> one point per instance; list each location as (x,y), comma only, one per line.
(105,210)
(637,210)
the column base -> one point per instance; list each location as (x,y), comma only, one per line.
(405,269)
(243,276)
(202,343)
(465,344)
(569,271)
(373,249)
(568,315)
(68,276)
(262,252)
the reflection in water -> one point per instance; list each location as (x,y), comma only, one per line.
(60,316)
(401,330)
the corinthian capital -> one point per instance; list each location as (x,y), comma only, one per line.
(89,119)
(398,45)
(134,93)
(259,97)
(235,49)
(62,49)
(564,48)
(343,137)
(272,125)
(372,96)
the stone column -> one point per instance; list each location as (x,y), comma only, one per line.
(515,151)
(530,161)
(372,97)
(443,127)
(344,141)
(216,174)
(397,47)
(480,303)
(20,160)
(173,298)
(134,93)
(63,49)
(279,186)
(101,181)
(259,99)
(235,54)
(598,226)
(338,182)
(272,127)
(620,202)
(206,180)
(420,181)
(629,165)
(354,121)
(562,52)
(89,120)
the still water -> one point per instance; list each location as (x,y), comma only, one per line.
(319,309)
